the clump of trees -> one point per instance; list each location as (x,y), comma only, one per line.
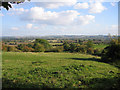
(79,47)
(112,52)
(43,42)
(9,48)
(40,45)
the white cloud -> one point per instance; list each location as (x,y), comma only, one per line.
(113,4)
(14,28)
(17,11)
(86,19)
(81,6)
(96,7)
(29,26)
(70,17)
(52,5)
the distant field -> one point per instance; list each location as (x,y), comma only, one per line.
(56,43)
(57,70)
(101,46)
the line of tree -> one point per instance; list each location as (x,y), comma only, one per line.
(42,45)
(80,47)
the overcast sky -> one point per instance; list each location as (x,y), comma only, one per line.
(55,18)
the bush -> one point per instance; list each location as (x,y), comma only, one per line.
(66,46)
(27,49)
(30,45)
(112,52)
(89,44)
(4,48)
(97,52)
(43,42)
(39,48)
(73,47)
(81,48)
(11,48)
(90,51)
(21,46)
(60,49)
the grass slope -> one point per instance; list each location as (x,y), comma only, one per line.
(57,70)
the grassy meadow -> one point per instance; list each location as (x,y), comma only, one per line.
(57,70)
(99,46)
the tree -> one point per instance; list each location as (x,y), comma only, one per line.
(30,45)
(4,48)
(89,44)
(21,46)
(72,47)
(97,52)
(11,48)
(27,49)
(81,48)
(66,46)
(112,52)
(80,42)
(39,47)
(90,51)
(8,5)
(44,42)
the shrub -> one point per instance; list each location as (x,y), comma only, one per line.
(39,47)
(97,52)
(21,46)
(4,48)
(112,52)
(90,51)
(81,49)
(30,45)
(89,44)
(27,49)
(60,49)
(43,42)
(11,48)
(66,46)
(72,47)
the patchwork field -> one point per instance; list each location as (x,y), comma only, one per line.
(57,70)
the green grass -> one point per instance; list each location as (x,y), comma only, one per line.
(57,70)
(100,46)
(56,43)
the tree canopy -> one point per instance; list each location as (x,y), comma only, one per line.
(7,5)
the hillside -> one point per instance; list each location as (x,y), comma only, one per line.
(57,70)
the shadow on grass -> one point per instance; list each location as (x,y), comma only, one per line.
(11,84)
(105,83)
(94,83)
(117,65)
(86,59)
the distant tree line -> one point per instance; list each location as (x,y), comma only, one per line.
(42,45)
(81,47)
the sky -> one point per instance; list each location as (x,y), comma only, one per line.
(60,18)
